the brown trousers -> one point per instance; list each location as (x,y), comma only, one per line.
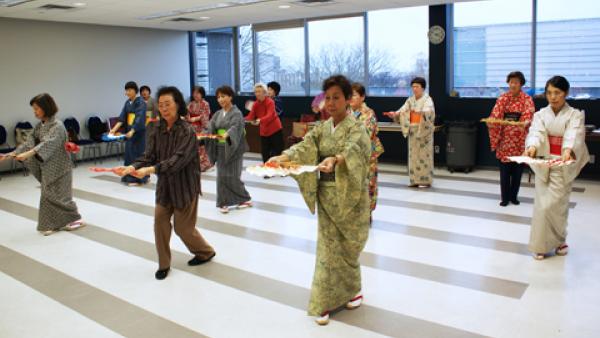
(184,221)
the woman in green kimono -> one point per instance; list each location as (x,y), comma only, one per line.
(416,118)
(341,147)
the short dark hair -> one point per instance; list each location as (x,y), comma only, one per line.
(559,82)
(275,86)
(200,90)
(46,103)
(516,75)
(144,87)
(177,97)
(359,88)
(420,81)
(132,85)
(340,81)
(225,90)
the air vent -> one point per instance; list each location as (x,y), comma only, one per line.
(314,3)
(13,3)
(183,20)
(49,7)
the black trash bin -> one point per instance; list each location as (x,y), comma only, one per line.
(461,146)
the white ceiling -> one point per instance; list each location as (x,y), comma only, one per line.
(129,12)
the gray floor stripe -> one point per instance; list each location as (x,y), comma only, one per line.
(487,215)
(434,273)
(107,310)
(444,177)
(409,230)
(367,317)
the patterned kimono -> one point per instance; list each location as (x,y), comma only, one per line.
(510,140)
(342,200)
(133,116)
(367,116)
(228,156)
(52,167)
(201,110)
(420,137)
(551,133)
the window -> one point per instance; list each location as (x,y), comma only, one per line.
(336,46)
(393,62)
(281,58)
(214,58)
(491,39)
(246,63)
(568,44)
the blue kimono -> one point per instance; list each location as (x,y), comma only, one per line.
(133,116)
(278,105)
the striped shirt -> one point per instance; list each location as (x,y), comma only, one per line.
(174,155)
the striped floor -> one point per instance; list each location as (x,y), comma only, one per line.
(443,262)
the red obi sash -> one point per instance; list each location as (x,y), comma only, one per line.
(555,145)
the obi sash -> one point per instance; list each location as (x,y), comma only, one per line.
(555,145)
(221,132)
(415,118)
(512,116)
(130,118)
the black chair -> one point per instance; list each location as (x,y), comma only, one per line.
(117,147)
(4,147)
(73,129)
(22,131)
(96,128)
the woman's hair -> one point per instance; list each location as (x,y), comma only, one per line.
(200,90)
(559,82)
(275,86)
(225,90)
(516,75)
(132,85)
(340,81)
(142,88)
(359,88)
(46,103)
(260,85)
(420,81)
(177,97)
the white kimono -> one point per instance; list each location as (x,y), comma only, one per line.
(553,184)
(420,138)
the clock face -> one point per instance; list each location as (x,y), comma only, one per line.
(436,35)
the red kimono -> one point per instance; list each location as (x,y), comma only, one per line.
(510,140)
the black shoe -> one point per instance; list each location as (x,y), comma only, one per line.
(515,202)
(162,274)
(503,203)
(197,261)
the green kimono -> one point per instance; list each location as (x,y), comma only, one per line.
(343,208)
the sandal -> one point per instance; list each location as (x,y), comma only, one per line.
(355,302)
(562,250)
(78,224)
(247,204)
(323,319)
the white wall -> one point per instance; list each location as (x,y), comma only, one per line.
(84,67)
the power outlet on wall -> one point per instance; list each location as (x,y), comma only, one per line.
(436,149)
(592,158)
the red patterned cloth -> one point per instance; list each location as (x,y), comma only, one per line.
(201,110)
(510,140)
